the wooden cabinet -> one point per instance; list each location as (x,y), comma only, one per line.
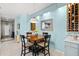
(71,49)
(73,17)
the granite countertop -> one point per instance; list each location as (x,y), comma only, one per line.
(72,39)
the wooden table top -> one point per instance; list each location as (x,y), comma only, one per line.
(35,37)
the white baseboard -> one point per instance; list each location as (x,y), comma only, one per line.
(56,52)
(59,51)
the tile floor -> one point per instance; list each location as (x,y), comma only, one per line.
(11,48)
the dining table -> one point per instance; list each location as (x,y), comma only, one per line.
(35,39)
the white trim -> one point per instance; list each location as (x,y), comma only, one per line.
(56,52)
(59,51)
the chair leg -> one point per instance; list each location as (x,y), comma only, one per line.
(33,51)
(44,51)
(48,51)
(21,52)
(24,51)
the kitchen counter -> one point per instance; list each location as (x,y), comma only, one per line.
(72,39)
(71,46)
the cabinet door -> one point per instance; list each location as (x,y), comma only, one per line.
(67,51)
(74,51)
(71,49)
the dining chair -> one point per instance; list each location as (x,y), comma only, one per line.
(45,33)
(28,36)
(29,33)
(45,45)
(25,46)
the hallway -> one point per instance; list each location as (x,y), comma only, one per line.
(7,29)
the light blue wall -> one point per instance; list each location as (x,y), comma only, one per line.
(23,20)
(58,15)
(59,18)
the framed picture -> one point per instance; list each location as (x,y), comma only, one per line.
(18,26)
(33,26)
(47,25)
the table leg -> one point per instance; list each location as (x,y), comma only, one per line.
(35,49)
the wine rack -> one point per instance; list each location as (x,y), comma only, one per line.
(73,17)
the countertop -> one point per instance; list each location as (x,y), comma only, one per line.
(72,40)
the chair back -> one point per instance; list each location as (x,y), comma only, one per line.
(45,33)
(47,40)
(28,34)
(22,40)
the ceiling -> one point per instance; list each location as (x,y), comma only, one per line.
(14,9)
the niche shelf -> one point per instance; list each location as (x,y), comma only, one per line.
(73,17)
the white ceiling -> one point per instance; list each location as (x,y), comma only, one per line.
(14,9)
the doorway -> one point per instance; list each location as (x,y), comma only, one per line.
(7,30)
